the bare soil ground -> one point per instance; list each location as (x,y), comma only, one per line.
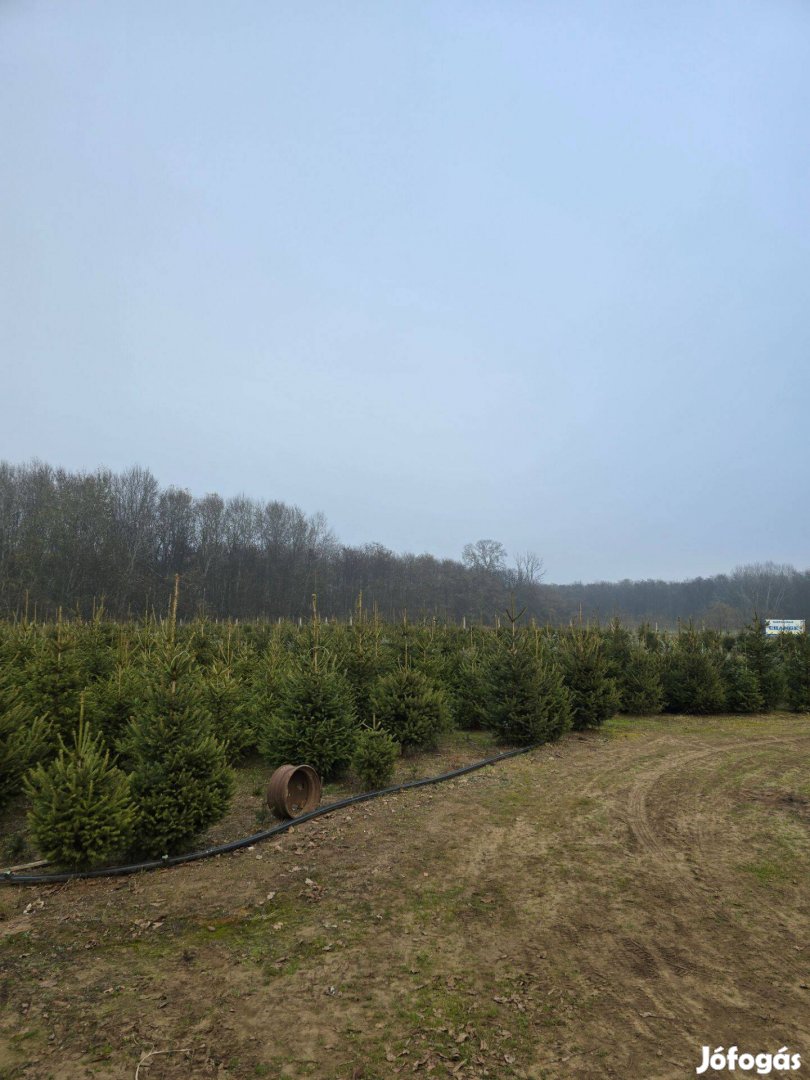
(603,907)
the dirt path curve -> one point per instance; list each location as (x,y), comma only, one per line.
(674,858)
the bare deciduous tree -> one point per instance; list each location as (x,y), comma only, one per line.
(529,568)
(761,587)
(486,555)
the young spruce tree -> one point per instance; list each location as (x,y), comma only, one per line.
(24,741)
(691,675)
(797,672)
(743,694)
(527,700)
(314,719)
(229,708)
(641,689)
(411,708)
(763,657)
(53,679)
(81,805)
(594,693)
(181,782)
(374,757)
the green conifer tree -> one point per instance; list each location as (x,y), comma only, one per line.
(412,709)
(691,676)
(650,638)
(53,680)
(81,805)
(111,703)
(586,668)
(742,692)
(374,757)
(94,652)
(762,655)
(468,687)
(357,651)
(314,722)
(25,740)
(797,672)
(618,646)
(526,698)
(230,711)
(642,693)
(181,782)
(261,674)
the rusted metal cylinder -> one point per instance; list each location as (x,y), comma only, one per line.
(294,790)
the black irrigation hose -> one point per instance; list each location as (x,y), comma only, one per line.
(10,878)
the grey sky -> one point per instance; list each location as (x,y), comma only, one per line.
(531,271)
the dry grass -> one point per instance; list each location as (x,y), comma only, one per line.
(599,908)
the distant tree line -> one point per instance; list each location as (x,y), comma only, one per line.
(76,540)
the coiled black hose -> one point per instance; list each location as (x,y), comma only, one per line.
(10,878)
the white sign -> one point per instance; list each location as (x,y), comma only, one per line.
(784,626)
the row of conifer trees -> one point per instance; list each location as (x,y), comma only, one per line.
(124,737)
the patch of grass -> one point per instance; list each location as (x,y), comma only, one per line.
(100,1053)
(767,872)
(301,952)
(431,899)
(23,1036)
(15,944)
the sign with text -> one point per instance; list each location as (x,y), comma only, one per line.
(784,626)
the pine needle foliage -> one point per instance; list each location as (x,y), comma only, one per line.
(742,692)
(526,699)
(374,758)
(357,650)
(586,667)
(763,657)
(618,643)
(468,688)
(314,722)
(230,711)
(640,686)
(181,782)
(691,676)
(111,702)
(53,680)
(260,673)
(24,742)
(94,648)
(81,805)
(411,708)
(797,670)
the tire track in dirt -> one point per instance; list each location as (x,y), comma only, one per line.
(666,974)
(677,977)
(638,815)
(652,744)
(702,834)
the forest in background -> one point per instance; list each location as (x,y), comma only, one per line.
(79,540)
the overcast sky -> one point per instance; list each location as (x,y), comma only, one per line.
(532,271)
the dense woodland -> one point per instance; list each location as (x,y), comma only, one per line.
(75,541)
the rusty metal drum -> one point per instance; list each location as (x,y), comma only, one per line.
(294,790)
